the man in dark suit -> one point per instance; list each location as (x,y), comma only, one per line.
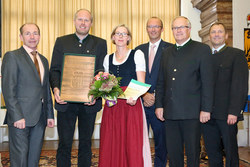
(81,42)
(184,94)
(231,90)
(155,46)
(26,91)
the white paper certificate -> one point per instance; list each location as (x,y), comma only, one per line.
(135,89)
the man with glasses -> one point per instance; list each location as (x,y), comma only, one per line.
(81,42)
(231,90)
(184,94)
(152,51)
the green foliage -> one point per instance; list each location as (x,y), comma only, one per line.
(105,85)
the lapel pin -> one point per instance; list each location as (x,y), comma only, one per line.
(80,45)
(87,51)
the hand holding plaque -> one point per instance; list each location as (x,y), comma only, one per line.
(78,71)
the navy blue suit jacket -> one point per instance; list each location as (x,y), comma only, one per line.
(151,78)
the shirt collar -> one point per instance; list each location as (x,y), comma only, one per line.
(28,50)
(183,42)
(79,40)
(156,43)
(218,49)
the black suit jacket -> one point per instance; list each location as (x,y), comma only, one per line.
(70,44)
(231,83)
(151,78)
(23,92)
(185,82)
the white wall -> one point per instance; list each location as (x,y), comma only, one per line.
(241,8)
(193,15)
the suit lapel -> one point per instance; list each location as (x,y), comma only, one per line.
(30,62)
(44,67)
(145,51)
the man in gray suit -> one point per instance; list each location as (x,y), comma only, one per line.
(26,91)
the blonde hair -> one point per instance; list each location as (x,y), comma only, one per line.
(75,16)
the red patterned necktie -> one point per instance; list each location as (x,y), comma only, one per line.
(215,51)
(151,57)
(34,53)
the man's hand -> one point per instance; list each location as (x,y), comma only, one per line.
(159,114)
(231,119)
(204,116)
(149,99)
(20,124)
(131,102)
(50,123)
(92,101)
(57,96)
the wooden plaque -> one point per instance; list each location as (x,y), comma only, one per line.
(77,74)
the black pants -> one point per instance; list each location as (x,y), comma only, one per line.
(66,122)
(213,131)
(178,134)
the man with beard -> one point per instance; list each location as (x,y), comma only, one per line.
(81,42)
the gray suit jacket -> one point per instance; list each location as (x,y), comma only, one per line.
(24,95)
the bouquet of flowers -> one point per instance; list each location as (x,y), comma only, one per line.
(107,86)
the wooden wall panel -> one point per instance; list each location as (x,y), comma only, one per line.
(213,11)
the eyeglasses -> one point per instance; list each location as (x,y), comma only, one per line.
(153,26)
(181,28)
(121,34)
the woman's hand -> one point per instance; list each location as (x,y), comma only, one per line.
(131,102)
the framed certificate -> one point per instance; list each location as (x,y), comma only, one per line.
(77,74)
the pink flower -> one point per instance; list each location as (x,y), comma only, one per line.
(97,77)
(105,74)
(105,85)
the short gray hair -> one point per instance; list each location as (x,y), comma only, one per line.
(189,23)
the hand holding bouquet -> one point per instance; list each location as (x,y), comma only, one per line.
(107,86)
